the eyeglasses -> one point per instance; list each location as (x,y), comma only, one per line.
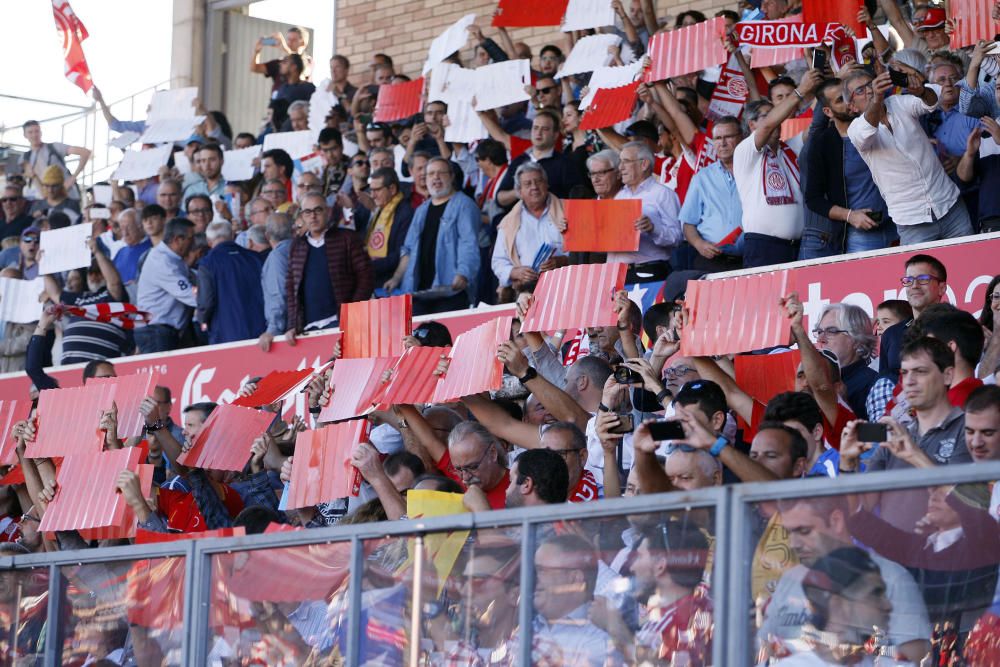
(373,189)
(602,172)
(360,163)
(566,452)
(200,211)
(547,90)
(9,200)
(995,296)
(860,89)
(462,471)
(319,210)
(827,332)
(677,371)
(922,279)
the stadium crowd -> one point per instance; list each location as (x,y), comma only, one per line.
(891,157)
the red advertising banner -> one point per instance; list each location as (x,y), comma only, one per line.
(575,297)
(529,13)
(321,467)
(375,328)
(397,101)
(973,22)
(226,438)
(601,225)
(844,12)
(687,50)
(610,106)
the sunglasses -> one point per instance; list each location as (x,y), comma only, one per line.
(9,200)
(546,91)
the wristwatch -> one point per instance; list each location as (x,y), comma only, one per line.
(158,425)
(528,376)
(720,444)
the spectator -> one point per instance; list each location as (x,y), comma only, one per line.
(136,245)
(659,226)
(923,202)
(258,211)
(206,178)
(390,223)
(273,69)
(327,268)
(983,174)
(293,87)
(165,290)
(475,458)
(846,331)
(331,149)
(338,83)
(41,156)
(54,197)
(15,213)
(275,192)
(767,177)
(961,332)
(257,242)
(712,210)
(441,249)
(558,166)
(230,300)
(534,222)
(982,426)
(539,477)
(298,116)
(427,135)
(25,256)
(277,164)
(199,210)
(168,196)
(154,219)
(781,449)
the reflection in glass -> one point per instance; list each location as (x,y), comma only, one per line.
(24,602)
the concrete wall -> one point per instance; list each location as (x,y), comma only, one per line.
(405,28)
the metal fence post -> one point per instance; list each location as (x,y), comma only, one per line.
(525,610)
(53,623)
(197,602)
(354,595)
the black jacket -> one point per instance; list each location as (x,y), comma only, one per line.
(825,186)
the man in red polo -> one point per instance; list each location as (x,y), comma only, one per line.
(475,457)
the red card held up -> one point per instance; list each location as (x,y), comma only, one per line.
(357,384)
(321,468)
(226,438)
(576,297)
(528,13)
(601,225)
(973,22)
(474,366)
(794,126)
(844,12)
(152,537)
(68,420)
(518,146)
(687,50)
(610,106)
(11,412)
(397,101)
(273,387)
(764,376)
(413,379)
(375,328)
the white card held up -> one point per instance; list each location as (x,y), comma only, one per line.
(64,249)
(296,144)
(587,14)
(103,195)
(451,40)
(124,140)
(181,163)
(99,213)
(237,165)
(464,125)
(350,148)
(610,77)
(589,54)
(170,130)
(136,165)
(451,83)
(319,107)
(502,83)
(176,103)
(19,299)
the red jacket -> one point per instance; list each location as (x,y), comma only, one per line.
(350,267)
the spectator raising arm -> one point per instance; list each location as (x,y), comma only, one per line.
(814,364)
(771,123)
(652,477)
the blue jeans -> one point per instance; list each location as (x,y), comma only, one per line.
(953,224)
(818,243)
(764,250)
(156,338)
(875,239)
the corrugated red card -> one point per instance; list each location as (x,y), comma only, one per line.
(413,379)
(129,392)
(794,127)
(87,496)
(68,420)
(129,522)
(736,314)
(474,366)
(974,22)
(528,13)
(844,12)
(576,297)
(687,50)
(764,376)
(321,469)
(152,537)
(601,225)
(397,101)
(375,328)
(273,387)
(11,412)
(610,106)
(226,438)
(357,384)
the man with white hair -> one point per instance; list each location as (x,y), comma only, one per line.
(230,300)
(298,115)
(659,224)
(273,276)
(136,245)
(603,170)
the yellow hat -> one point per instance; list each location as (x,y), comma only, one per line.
(52,175)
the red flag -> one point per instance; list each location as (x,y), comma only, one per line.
(528,13)
(518,146)
(687,50)
(610,106)
(602,225)
(397,101)
(124,315)
(71,35)
(844,12)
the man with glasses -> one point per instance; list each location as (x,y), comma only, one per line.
(274,191)
(477,460)
(15,212)
(258,211)
(199,211)
(922,200)
(548,94)
(562,173)
(390,221)
(712,214)
(206,177)
(25,256)
(327,267)
(165,290)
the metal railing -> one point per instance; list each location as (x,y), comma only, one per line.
(733,553)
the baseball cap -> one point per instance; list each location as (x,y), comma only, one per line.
(194,139)
(32,230)
(933,20)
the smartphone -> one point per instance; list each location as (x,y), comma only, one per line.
(666,430)
(870,68)
(872,432)
(626,425)
(819,59)
(899,79)
(625,375)
(876,216)
(269,41)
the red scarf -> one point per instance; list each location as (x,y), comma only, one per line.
(490,190)
(586,489)
(776,169)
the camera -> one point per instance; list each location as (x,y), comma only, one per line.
(625,375)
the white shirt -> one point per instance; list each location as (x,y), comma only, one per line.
(784,221)
(903,162)
(532,233)
(662,206)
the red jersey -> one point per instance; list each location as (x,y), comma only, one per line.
(182,511)
(586,489)
(497,496)
(681,633)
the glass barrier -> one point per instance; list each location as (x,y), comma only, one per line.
(124,612)
(893,577)
(24,600)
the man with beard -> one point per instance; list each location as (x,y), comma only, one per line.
(538,477)
(840,186)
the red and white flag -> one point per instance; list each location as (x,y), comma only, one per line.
(730,92)
(71,34)
(124,315)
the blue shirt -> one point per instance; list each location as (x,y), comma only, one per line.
(317,290)
(165,288)
(127,259)
(712,205)
(861,189)
(272,282)
(953,132)
(827,465)
(456,246)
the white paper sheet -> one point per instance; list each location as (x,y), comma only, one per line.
(237,165)
(124,140)
(319,106)
(64,249)
(296,144)
(350,148)
(502,83)
(176,103)
(181,163)
(136,165)
(451,83)
(464,124)
(103,195)
(19,300)
(99,213)
(451,40)
(587,14)
(610,77)
(170,130)
(589,54)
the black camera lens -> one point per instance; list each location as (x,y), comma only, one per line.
(625,375)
